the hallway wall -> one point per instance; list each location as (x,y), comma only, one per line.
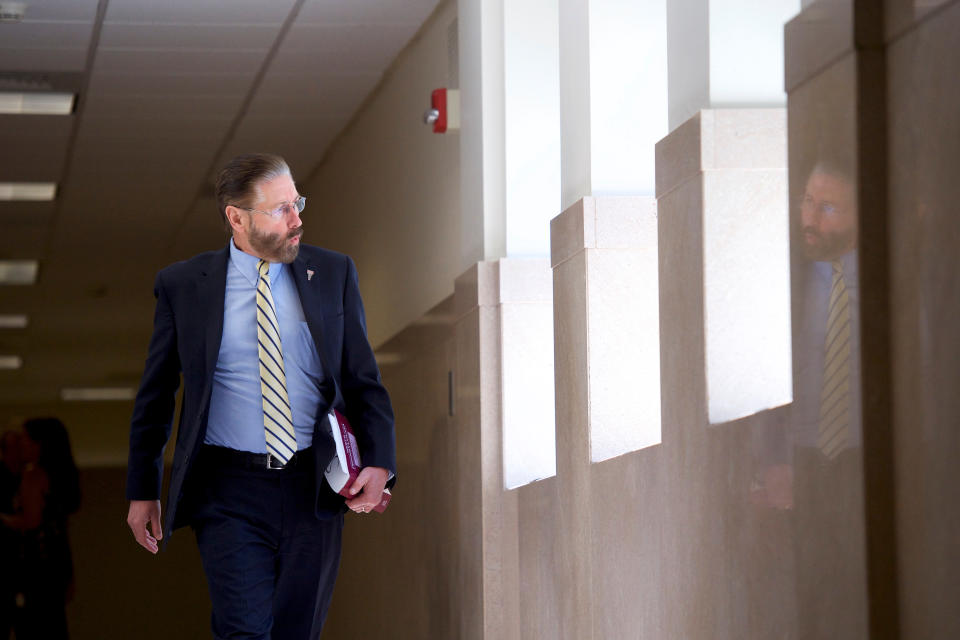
(400,575)
(924,272)
(683,539)
(388,190)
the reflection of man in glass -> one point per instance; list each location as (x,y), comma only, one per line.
(825,418)
(826,423)
(828,216)
(828,395)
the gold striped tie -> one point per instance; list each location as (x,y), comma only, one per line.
(834,434)
(277,419)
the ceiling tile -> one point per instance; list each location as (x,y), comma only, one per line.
(183,141)
(25,213)
(292,93)
(188,36)
(41,147)
(146,62)
(22,239)
(305,137)
(333,50)
(35,126)
(136,126)
(411,12)
(194,11)
(174,106)
(33,59)
(183,85)
(60,11)
(57,35)
(330,38)
(40,164)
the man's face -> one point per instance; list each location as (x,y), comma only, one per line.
(828,217)
(273,239)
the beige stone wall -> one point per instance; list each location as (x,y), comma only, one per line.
(400,574)
(390,187)
(924,232)
(684,539)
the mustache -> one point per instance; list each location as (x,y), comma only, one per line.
(812,231)
(295,233)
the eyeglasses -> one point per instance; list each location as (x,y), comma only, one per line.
(297,206)
(823,207)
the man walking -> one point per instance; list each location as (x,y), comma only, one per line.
(269,336)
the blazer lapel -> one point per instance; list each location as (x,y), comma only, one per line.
(211,292)
(307,280)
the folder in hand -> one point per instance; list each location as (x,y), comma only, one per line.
(345,465)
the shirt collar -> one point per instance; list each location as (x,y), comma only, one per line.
(247,265)
(848,262)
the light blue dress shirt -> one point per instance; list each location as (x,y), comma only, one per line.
(236,409)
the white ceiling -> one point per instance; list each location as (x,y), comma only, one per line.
(169,90)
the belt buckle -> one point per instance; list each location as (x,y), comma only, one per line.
(274,462)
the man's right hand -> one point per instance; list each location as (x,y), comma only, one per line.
(142,513)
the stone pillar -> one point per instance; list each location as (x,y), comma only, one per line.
(722,178)
(604,255)
(725,341)
(504,417)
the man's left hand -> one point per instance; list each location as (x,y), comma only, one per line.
(367,489)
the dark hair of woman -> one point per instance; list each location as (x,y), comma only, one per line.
(56,458)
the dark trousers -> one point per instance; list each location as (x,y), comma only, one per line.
(270,562)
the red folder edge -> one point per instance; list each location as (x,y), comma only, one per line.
(352,454)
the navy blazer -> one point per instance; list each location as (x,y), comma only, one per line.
(187,328)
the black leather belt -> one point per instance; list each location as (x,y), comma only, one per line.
(225,457)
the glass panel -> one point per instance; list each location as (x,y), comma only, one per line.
(823,451)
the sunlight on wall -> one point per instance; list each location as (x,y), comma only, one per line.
(526,342)
(624,328)
(746,282)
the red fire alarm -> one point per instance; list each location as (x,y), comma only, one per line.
(444,111)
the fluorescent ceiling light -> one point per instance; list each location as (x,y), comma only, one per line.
(18,271)
(47,104)
(8,321)
(11,362)
(12,11)
(97,393)
(28,190)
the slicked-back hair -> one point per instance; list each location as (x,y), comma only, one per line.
(833,167)
(237,181)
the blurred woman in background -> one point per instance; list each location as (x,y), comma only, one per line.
(49,491)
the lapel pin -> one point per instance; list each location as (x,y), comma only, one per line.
(309,274)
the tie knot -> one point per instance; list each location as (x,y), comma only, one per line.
(837,267)
(263,267)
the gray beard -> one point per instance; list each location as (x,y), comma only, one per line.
(829,248)
(273,246)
